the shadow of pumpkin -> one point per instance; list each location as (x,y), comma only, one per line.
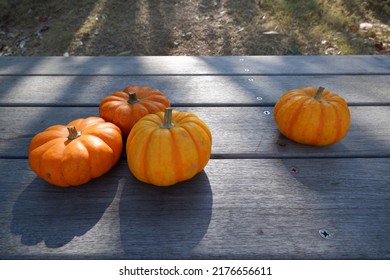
(164,223)
(55,215)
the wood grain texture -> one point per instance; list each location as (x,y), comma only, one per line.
(200,65)
(237,132)
(192,90)
(261,196)
(273,210)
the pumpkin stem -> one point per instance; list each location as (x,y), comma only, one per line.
(319,93)
(168,118)
(132,98)
(73,133)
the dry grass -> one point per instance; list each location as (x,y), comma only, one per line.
(194,27)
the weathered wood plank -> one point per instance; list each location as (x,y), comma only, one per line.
(237,132)
(270,205)
(203,65)
(195,90)
(267,208)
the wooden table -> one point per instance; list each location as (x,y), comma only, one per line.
(261,196)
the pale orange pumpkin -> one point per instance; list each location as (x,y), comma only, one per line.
(168,147)
(125,108)
(312,116)
(73,154)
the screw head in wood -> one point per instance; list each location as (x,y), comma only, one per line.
(294,169)
(324,233)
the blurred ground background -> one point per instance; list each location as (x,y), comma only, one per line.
(194,27)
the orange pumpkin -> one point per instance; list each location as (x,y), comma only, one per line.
(125,108)
(168,147)
(312,116)
(73,154)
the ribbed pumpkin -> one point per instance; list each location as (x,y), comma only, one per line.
(73,154)
(312,116)
(125,108)
(168,147)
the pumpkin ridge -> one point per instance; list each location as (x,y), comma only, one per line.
(158,160)
(86,141)
(151,106)
(108,138)
(159,102)
(155,105)
(82,124)
(71,162)
(292,120)
(326,95)
(112,98)
(179,117)
(109,104)
(43,165)
(284,100)
(319,131)
(140,106)
(176,155)
(204,127)
(118,95)
(120,116)
(45,137)
(151,122)
(198,152)
(150,94)
(339,101)
(338,124)
(144,155)
(198,149)
(137,136)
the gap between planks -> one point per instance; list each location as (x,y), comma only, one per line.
(240,156)
(218,105)
(201,75)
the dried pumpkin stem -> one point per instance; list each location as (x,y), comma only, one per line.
(132,98)
(168,118)
(319,93)
(73,133)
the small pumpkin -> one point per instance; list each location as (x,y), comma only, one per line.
(168,147)
(312,116)
(73,154)
(125,108)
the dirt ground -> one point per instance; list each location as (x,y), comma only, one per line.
(193,27)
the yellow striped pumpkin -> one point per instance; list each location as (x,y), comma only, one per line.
(312,116)
(168,147)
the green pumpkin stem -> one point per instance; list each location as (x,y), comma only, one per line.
(168,118)
(73,133)
(132,98)
(319,93)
